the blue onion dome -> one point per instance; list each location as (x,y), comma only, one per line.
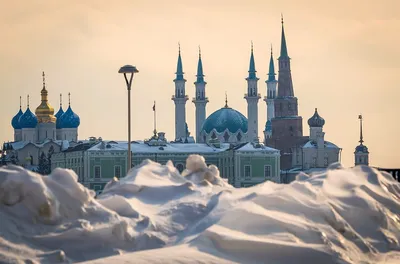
(69,119)
(362,148)
(28,119)
(58,116)
(316,120)
(15,120)
(268,126)
(225,118)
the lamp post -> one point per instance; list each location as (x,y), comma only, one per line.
(129,71)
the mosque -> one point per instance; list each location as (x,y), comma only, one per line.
(226,138)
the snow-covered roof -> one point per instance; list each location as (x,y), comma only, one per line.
(255,147)
(21,144)
(327,144)
(141,147)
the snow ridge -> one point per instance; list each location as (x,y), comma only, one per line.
(338,216)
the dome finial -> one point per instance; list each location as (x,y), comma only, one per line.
(69,99)
(28,101)
(60,100)
(20,102)
(282,18)
(361,134)
(179,48)
(271,49)
(199,52)
(251,46)
(44,80)
(226,100)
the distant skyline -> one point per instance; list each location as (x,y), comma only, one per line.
(345,62)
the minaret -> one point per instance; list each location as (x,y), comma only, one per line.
(252,96)
(361,153)
(200,100)
(180,99)
(271,94)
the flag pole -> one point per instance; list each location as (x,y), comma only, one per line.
(155,119)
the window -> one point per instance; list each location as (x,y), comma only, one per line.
(117,171)
(97,172)
(247,171)
(239,136)
(267,171)
(226,136)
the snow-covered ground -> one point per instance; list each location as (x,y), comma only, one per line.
(156,215)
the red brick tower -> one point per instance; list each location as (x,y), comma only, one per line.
(287,126)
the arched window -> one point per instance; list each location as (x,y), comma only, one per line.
(226,136)
(213,135)
(239,137)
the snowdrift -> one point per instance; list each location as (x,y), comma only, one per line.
(156,215)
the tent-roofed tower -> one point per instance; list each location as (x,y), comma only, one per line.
(180,99)
(200,100)
(287,125)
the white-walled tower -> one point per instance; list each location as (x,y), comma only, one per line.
(361,153)
(200,100)
(269,99)
(252,96)
(180,99)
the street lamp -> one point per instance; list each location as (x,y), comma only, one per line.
(129,71)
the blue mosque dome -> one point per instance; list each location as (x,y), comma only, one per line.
(15,120)
(225,118)
(28,119)
(58,116)
(268,126)
(68,120)
(316,120)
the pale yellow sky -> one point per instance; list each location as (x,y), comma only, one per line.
(345,61)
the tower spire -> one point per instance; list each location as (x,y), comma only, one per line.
(271,72)
(200,75)
(361,134)
(284,52)
(179,67)
(252,67)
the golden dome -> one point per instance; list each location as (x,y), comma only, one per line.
(45,112)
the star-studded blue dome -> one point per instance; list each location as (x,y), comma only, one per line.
(316,120)
(362,148)
(225,118)
(15,120)
(28,119)
(58,115)
(268,126)
(69,119)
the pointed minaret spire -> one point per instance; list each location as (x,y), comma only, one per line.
(284,52)
(180,99)
(200,75)
(252,66)
(361,134)
(271,73)
(179,67)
